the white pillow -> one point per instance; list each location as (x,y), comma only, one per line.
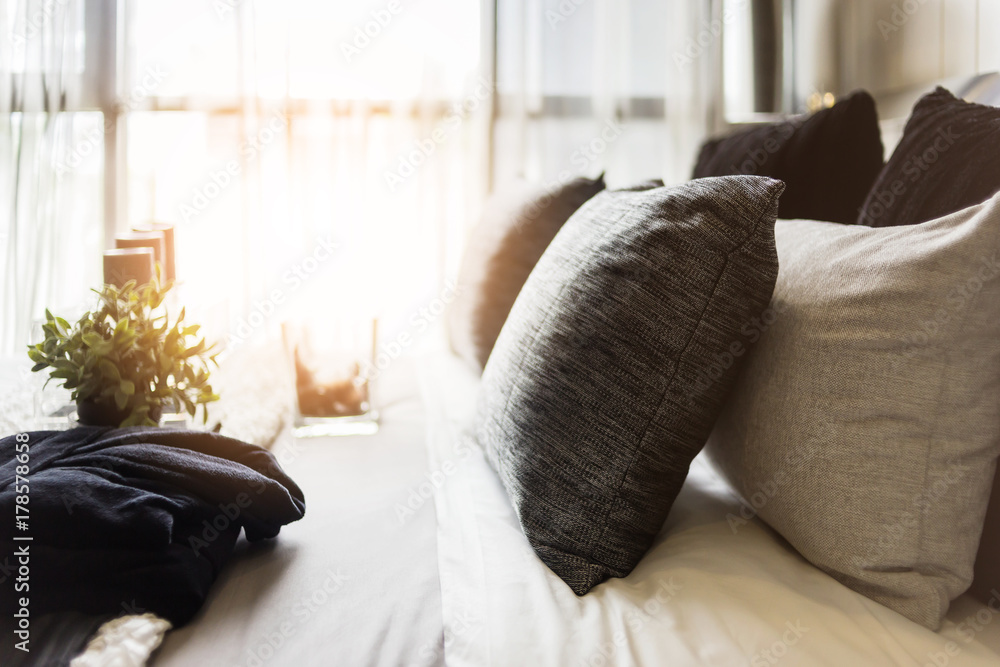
(865,425)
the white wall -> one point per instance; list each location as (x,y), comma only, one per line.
(889,45)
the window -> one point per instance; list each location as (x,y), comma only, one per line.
(264,130)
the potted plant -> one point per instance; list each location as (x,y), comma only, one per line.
(127,361)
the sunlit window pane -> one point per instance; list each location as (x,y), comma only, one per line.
(307,49)
(277,128)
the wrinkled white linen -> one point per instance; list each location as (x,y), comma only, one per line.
(715,589)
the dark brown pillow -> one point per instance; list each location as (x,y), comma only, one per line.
(947,160)
(986,584)
(828,160)
(517,225)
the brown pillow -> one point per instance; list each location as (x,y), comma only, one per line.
(516,227)
(986,582)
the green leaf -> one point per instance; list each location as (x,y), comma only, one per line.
(196,349)
(64,365)
(103,349)
(92,339)
(127,387)
(109,370)
(127,338)
(39,366)
(121,400)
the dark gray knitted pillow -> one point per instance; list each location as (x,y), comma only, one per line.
(517,226)
(615,360)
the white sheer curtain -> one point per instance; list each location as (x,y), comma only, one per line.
(603,85)
(266,130)
(278,126)
(50,166)
(262,128)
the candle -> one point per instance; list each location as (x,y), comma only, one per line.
(124,264)
(154,240)
(169,262)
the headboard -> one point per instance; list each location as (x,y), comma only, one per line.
(894,108)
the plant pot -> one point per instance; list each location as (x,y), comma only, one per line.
(93,413)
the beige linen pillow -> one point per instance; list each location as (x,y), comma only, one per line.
(865,425)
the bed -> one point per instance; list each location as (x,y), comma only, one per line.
(445,575)
(410,554)
(450,579)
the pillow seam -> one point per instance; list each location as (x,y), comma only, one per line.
(612,227)
(635,455)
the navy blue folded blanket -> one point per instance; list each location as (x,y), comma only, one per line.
(134,519)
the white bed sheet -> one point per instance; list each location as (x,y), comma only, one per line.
(355,581)
(710,592)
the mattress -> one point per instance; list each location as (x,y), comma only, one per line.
(715,589)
